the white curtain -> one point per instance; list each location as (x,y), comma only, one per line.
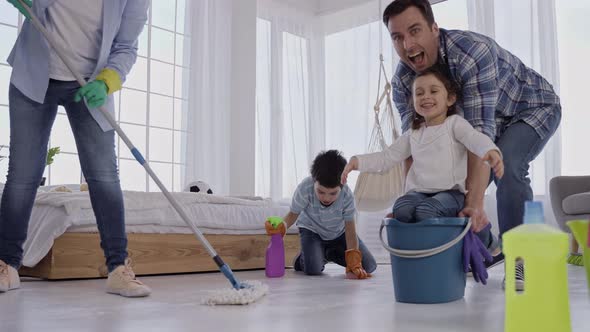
(527,29)
(289,95)
(352,48)
(352,75)
(206,146)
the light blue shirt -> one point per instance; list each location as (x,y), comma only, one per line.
(123,21)
(326,221)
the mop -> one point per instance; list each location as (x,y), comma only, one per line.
(241,292)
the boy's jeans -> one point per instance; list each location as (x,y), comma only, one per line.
(315,253)
(415,207)
(30,127)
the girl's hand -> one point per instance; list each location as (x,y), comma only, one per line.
(351,166)
(494,159)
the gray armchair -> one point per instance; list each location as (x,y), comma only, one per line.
(570,200)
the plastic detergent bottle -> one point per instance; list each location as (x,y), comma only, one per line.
(543,306)
(275,252)
(533,213)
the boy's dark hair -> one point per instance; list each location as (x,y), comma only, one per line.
(398,6)
(327,168)
(451,87)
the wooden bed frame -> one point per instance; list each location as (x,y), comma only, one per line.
(78,255)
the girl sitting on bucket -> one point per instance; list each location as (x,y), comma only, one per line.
(438,144)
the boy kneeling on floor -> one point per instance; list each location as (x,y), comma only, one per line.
(324,210)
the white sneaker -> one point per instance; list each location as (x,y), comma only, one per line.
(9,278)
(122,282)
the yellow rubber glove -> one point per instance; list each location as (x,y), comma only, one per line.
(111,78)
(354,267)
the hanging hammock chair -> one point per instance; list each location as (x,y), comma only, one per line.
(378,191)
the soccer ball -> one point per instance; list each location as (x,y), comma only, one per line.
(199,187)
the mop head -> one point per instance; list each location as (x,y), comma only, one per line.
(253,291)
(575,259)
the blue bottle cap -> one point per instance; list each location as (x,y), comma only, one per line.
(533,212)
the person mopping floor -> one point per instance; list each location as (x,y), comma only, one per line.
(122,279)
(102,41)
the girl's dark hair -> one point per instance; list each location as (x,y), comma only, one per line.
(452,90)
(399,6)
(327,168)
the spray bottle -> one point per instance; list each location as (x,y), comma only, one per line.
(275,253)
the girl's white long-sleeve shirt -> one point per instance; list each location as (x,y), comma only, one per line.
(439,155)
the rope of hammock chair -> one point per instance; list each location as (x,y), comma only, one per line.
(375,192)
(387,117)
(377,135)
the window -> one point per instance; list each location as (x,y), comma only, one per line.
(152,104)
(352,65)
(282,115)
(9,21)
(451,14)
(295,112)
(150,108)
(574,52)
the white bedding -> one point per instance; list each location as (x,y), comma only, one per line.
(55,213)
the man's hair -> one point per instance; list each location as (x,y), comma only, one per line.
(398,6)
(327,168)
(450,86)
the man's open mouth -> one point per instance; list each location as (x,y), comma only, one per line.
(416,57)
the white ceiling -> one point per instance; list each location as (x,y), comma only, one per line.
(329,6)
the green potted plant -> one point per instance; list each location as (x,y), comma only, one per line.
(50,155)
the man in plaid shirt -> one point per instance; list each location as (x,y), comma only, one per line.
(499,96)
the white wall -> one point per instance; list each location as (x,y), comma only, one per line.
(243,98)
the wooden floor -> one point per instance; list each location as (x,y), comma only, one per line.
(295,303)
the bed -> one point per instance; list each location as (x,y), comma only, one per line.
(63,241)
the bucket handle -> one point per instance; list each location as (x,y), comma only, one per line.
(424,252)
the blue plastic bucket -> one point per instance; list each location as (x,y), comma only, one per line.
(426,259)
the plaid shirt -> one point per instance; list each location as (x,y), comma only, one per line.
(497,89)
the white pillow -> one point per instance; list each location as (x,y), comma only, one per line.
(577,203)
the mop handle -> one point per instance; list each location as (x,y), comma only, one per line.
(425,252)
(61,53)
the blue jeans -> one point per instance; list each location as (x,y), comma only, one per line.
(415,207)
(30,127)
(315,253)
(520,144)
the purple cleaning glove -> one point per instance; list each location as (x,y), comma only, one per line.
(474,255)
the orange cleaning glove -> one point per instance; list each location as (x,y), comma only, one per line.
(354,267)
(271,230)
